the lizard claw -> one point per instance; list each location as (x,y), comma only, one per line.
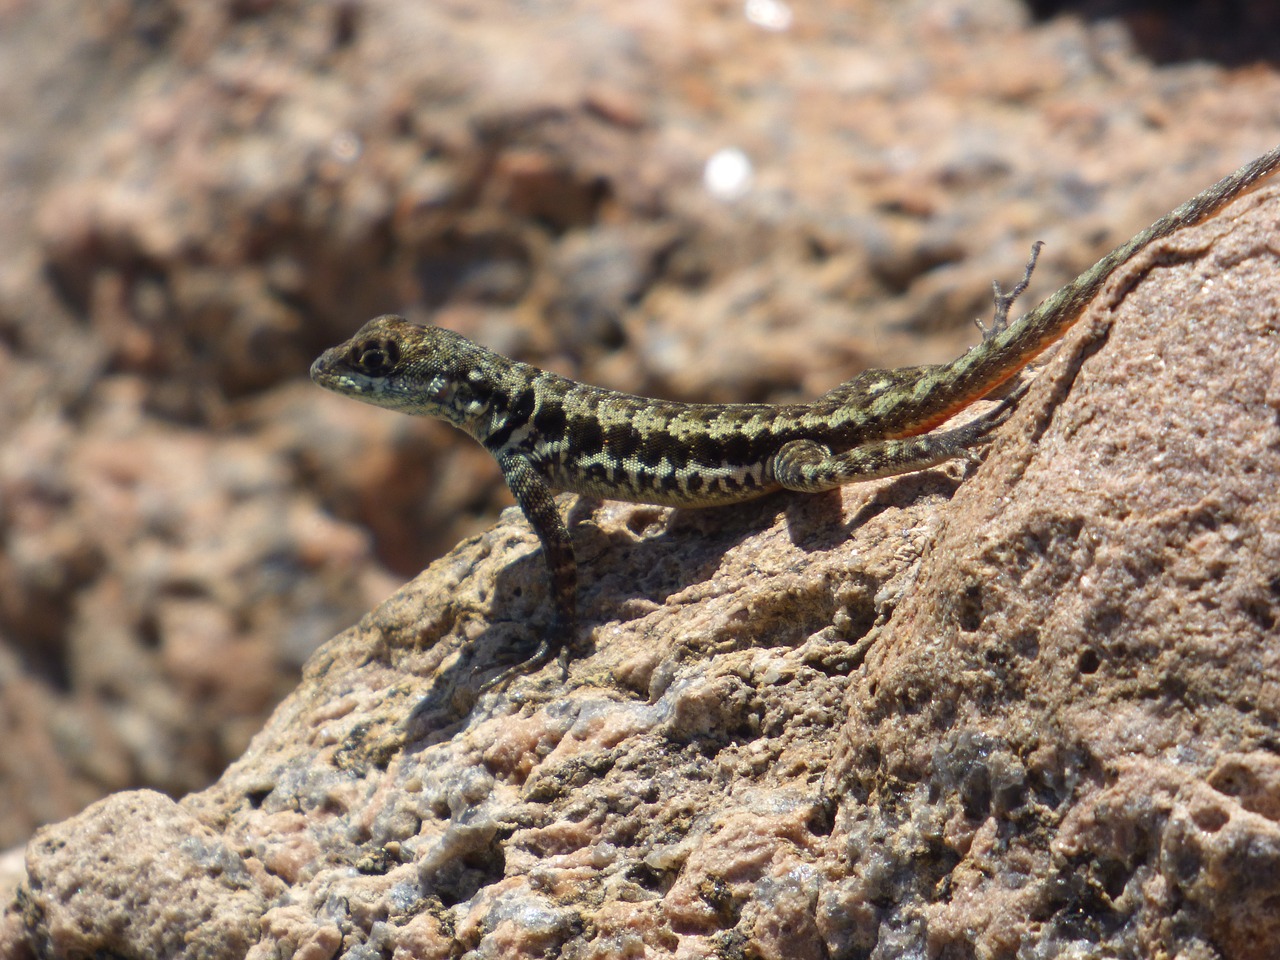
(1005,300)
(555,645)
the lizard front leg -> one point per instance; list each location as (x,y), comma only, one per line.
(539,506)
(810,467)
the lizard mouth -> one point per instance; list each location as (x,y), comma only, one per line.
(330,376)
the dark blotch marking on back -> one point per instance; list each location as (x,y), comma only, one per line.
(518,415)
(677,454)
(622,441)
(550,421)
(586,436)
(703,451)
(738,448)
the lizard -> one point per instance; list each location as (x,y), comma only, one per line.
(549,433)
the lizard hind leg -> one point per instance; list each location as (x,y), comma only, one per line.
(1005,300)
(805,466)
(810,467)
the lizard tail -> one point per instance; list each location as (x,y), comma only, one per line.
(953,386)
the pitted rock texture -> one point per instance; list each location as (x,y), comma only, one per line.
(197,197)
(1030,715)
(156,882)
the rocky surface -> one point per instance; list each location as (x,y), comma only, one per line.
(197,197)
(1066,744)
(1031,715)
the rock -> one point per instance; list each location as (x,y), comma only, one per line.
(196,198)
(169,581)
(1090,651)
(136,875)
(1027,715)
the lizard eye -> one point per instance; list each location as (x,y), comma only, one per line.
(375,357)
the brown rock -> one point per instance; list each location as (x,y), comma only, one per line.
(1029,714)
(136,875)
(197,197)
(1093,641)
(169,582)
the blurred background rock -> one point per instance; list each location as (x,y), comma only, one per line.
(716,201)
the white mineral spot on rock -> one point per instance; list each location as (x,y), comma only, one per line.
(769,14)
(727,175)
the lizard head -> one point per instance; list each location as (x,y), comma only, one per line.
(421,370)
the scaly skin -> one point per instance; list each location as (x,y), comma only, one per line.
(549,433)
